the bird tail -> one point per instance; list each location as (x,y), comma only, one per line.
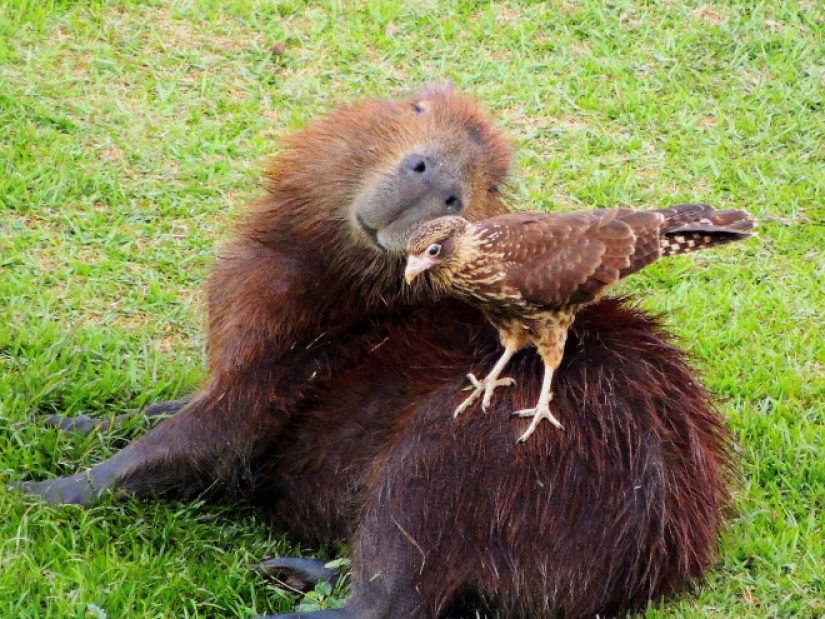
(690,227)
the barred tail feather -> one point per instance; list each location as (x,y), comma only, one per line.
(690,227)
(685,242)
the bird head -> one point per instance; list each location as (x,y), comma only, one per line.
(432,246)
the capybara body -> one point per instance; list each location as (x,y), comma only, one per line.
(332,386)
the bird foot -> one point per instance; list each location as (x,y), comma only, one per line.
(542,411)
(486,386)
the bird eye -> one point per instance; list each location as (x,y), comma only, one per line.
(433,250)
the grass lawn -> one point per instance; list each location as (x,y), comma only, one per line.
(131,134)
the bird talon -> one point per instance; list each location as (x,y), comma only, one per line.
(486,386)
(490,388)
(468,402)
(478,388)
(475,382)
(538,413)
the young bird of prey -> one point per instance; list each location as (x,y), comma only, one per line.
(529,273)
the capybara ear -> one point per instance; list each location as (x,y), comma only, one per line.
(436,89)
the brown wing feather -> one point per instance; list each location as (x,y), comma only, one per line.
(646,225)
(558,260)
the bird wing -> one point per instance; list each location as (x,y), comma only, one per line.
(557,260)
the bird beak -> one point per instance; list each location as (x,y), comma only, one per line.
(416,265)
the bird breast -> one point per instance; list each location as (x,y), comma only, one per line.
(481,275)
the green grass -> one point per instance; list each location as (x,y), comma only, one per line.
(131,133)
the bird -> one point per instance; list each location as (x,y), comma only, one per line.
(531,272)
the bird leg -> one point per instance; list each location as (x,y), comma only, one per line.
(542,410)
(488,385)
(552,331)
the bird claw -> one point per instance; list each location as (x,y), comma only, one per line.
(475,382)
(485,386)
(538,413)
(467,403)
(490,389)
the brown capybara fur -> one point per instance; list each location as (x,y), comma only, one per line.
(332,386)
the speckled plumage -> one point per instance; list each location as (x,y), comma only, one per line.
(531,272)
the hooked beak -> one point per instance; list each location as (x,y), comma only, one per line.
(416,265)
